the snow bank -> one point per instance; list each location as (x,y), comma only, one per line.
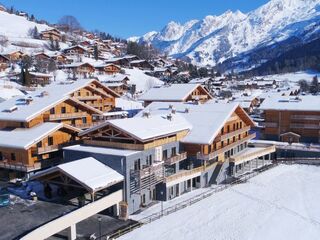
(281,203)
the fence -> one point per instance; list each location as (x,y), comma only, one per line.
(188,202)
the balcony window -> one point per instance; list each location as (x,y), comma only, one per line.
(173,151)
(63,109)
(52,111)
(228,128)
(13,156)
(39,144)
(50,141)
(1,157)
(84,120)
(137,164)
(222,131)
(222,143)
(240,124)
(164,154)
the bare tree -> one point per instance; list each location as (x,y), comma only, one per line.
(71,22)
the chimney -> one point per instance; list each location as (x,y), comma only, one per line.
(186,110)
(146,114)
(173,110)
(170,106)
(169,117)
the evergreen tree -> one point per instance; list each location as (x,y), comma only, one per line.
(314,86)
(95,52)
(52,66)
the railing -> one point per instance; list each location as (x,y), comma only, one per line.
(46,149)
(305,117)
(87,125)
(19,166)
(154,169)
(84,98)
(200,97)
(172,209)
(138,147)
(253,155)
(233,133)
(186,173)
(306,126)
(53,117)
(270,125)
(176,158)
(214,154)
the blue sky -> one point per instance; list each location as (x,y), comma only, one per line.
(126,18)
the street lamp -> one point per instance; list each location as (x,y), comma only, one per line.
(99,219)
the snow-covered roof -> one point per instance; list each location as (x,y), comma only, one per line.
(174,92)
(23,138)
(138,61)
(101,150)
(292,103)
(146,128)
(55,93)
(200,80)
(94,178)
(206,119)
(38,74)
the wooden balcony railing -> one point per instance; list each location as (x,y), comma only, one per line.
(47,149)
(87,125)
(214,154)
(233,133)
(187,173)
(200,97)
(177,158)
(60,116)
(252,155)
(19,166)
(158,170)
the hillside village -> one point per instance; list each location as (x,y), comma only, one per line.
(98,134)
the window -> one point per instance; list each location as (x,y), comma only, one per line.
(228,141)
(237,125)
(228,128)
(84,120)
(52,111)
(79,93)
(137,164)
(39,144)
(164,154)
(173,151)
(222,130)
(234,138)
(13,157)
(149,160)
(234,126)
(222,143)
(239,136)
(50,141)
(1,157)
(143,199)
(240,124)
(76,109)
(63,109)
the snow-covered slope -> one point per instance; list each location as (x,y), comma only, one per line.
(15,29)
(281,203)
(216,38)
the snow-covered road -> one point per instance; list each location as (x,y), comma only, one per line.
(282,203)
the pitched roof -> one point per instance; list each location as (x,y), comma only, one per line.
(206,119)
(57,93)
(23,138)
(174,92)
(94,178)
(143,128)
(292,103)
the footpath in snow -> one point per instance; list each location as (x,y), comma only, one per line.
(282,203)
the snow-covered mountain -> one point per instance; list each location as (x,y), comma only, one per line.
(217,38)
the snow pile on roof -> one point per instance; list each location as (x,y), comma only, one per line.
(146,128)
(174,92)
(89,172)
(23,138)
(125,104)
(142,81)
(206,119)
(281,203)
(299,103)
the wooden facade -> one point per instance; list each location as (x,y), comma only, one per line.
(108,69)
(303,123)
(75,50)
(51,34)
(44,149)
(4,63)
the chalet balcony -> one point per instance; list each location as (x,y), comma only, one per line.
(207,157)
(252,153)
(199,97)
(305,126)
(156,169)
(233,133)
(177,158)
(47,149)
(306,117)
(87,125)
(88,98)
(19,166)
(61,116)
(190,173)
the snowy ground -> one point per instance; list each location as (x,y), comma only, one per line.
(294,77)
(282,203)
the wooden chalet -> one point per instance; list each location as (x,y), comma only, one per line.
(51,34)
(42,56)
(40,78)
(142,64)
(108,69)
(292,118)
(75,51)
(14,55)
(4,63)
(176,93)
(80,69)
(25,150)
